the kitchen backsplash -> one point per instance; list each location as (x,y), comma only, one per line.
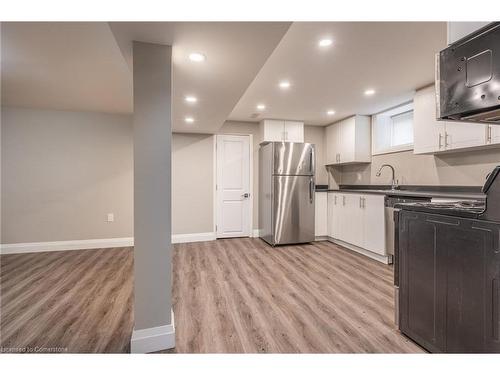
(460,168)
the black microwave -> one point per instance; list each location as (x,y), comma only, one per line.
(468,78)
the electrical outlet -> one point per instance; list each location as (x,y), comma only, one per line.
(111,218)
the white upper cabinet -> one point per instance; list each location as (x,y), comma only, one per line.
(282,131)
(273,130)
(464,135)
(294,131)
(427,131)
(493,134)
(432,136)
(349,141)
(332,144)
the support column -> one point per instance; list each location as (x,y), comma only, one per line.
(153,324)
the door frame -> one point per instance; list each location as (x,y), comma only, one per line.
(251,171)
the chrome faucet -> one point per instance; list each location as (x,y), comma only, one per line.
(394,183)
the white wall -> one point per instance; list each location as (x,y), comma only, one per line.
(192,183)
(62,172)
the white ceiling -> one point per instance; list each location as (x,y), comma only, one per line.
(64,66)
(235,52)
(394,58)
(87,67)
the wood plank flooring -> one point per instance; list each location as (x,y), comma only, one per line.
(69,301)
(230,296)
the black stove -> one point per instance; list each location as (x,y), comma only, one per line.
(447,272)
(469,209)
(488,209)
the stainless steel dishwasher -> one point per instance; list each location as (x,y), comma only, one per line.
(390,201)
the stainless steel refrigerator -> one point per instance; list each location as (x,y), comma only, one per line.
(286,192)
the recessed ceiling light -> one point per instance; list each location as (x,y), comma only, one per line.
(285,84)
(197,57)
(261,107)
(189,120)
(330,112)
(191,99)
(325,42)
(369,92)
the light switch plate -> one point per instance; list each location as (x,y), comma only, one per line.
(111,218)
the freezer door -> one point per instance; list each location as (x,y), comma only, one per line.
(293,209)
(294,159)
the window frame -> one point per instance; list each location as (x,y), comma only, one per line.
(385,115)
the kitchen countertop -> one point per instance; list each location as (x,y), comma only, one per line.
(452,192)
(320,188)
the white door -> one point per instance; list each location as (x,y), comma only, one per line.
(464,134)
(233,186)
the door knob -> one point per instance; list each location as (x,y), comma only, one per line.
(246,195)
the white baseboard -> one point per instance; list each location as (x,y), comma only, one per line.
(153,339)
(256,233)
(34,247)
(321,238)
(193,237)
(386,259)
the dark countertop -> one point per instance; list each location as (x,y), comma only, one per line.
(320,188)
(458,192)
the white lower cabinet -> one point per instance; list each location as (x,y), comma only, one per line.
(374,235)
(321,214)
(358,219)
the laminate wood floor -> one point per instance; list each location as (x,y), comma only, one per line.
(229,296)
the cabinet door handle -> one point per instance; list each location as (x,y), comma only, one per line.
(335,200)
(445,139)
(489,133)
(360,202)
(343,200)
(364,202)
(439,142)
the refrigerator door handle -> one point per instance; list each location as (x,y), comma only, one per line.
(311,189)
(312,161)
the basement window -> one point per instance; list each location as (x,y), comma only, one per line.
(392,130)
